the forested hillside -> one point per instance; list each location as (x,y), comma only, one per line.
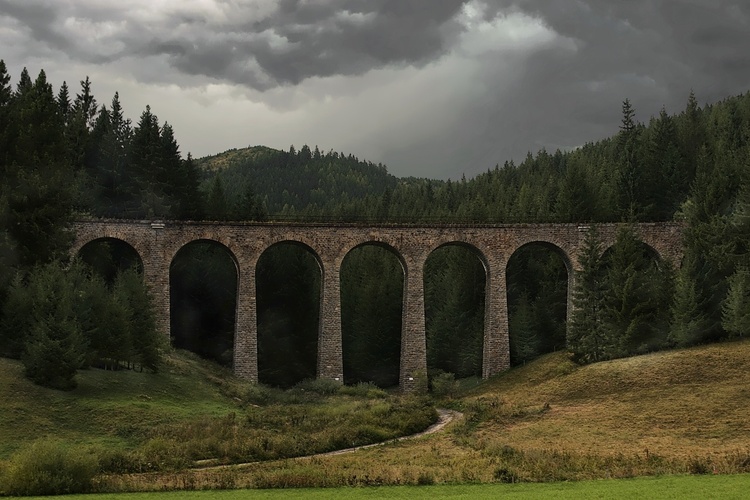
(65,156)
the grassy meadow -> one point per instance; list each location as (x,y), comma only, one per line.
(678,487)
(679,413)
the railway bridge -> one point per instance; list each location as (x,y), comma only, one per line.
(157,243)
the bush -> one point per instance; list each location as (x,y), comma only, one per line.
(364,390)
(322,386)
(444,385)
(258,394)
(49,468)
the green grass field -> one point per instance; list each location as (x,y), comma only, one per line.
(676,487)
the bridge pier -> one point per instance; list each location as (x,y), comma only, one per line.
(330,350)
(156,276)
(496,348)
(246,324)
(413,370)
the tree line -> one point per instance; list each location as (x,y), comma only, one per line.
(58,315)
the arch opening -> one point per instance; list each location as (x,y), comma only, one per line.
(203,300)
(455,280)
(537,277)
(110,256)
(638,293)
(372,292)
(288,287)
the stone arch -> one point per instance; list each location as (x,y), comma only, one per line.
(202,310)
(652,252)
(526,300)
(380,244)
(120,259)
(288,324)
(461,339)
(372,350)
(564,255)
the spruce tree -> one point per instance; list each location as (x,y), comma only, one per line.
(588,337)
(636,297)
(736,309)
(218,208)
(630,181)
(6,94)
(39,198)
(146,343)
(524,343)
(41,307)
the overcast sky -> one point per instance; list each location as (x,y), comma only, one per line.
(433,88)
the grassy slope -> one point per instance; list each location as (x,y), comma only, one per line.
(666,413)
(677,403)
(655,414)
(106,406)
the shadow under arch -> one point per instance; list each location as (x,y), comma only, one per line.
(109,256)
(203,284)
(647,252)
(288,279)
(372,302)
(538,277)
(455,280)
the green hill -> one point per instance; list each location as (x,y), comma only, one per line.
(290,181)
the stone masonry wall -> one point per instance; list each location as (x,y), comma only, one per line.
(157,243)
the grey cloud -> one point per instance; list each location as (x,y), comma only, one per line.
(317,38)
(569,92)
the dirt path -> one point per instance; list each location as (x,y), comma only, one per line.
(445,417)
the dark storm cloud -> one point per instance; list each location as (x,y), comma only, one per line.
(569,91)
(695,42)
(283,45)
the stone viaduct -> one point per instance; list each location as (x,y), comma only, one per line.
(157,243)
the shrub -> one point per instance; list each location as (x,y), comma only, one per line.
(322,386)
(364,390)
(505,475)
(49,468)
(444,385)
(258,394)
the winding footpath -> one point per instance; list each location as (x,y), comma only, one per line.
(445,417)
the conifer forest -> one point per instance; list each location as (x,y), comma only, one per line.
(66,154)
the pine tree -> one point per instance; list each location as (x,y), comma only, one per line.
(117,190)
(191,200)
(146,167)
(588,337)
(146,342)
(736,310)
(630,177)
(218,208)
(44,314)
(6,94)
(524,343)
(667,182)
(635,300)
(80,124)
(39,200)
(63,101)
